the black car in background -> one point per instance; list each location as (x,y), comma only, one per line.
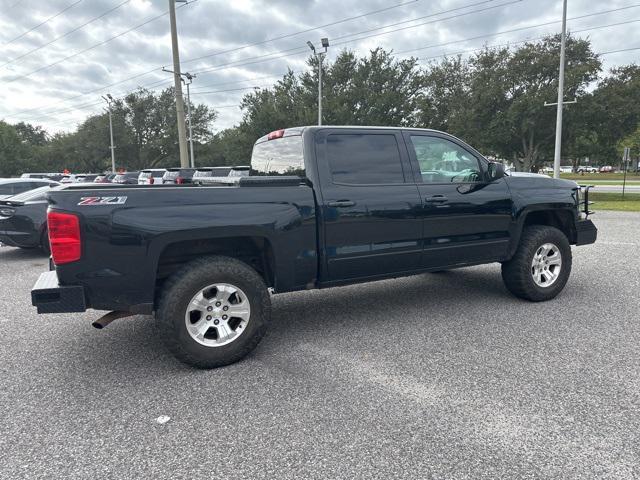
(127,178)
(23,220)
(178,175)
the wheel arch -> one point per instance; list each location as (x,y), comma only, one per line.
(564,219)
(254,250)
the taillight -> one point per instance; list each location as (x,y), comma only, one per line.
(276,134)
(151,181)
(179,180)
(64,237)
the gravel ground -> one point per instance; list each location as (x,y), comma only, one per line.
(434,376)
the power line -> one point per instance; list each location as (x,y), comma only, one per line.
(66,34)
(43,22)
(512,30)
(58,62)
(299,50)
(508,44)
(156,68)
(311,29)
(618,51)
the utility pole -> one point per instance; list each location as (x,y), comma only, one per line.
(558,147)
(109,100)
(189,77)
(320,56)
(182,134)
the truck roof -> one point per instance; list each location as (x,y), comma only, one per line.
(293,131)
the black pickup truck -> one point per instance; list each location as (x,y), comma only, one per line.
(323,207)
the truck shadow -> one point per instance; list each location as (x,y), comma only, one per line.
(462,290)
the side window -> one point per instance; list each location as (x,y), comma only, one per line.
(22,187)
(362,159)
(442,161)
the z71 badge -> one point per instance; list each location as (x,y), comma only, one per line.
(102,200)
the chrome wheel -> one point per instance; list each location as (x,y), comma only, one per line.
(546,265)
(217,315)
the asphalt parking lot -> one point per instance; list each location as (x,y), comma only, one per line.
(434,376)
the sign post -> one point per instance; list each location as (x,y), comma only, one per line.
(625,161)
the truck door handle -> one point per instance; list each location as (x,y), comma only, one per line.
(437,199)
(341,203)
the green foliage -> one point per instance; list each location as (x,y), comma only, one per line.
(494,100)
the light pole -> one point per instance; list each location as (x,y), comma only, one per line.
(558,147)
(109,100)
(320,56)
(189,77)
(182,134)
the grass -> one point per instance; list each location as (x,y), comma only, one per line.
(614,201)
(601,176)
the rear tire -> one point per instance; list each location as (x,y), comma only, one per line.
(193,299)
(541,266)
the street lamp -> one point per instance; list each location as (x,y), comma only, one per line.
(320,56)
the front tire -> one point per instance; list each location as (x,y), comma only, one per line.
(541,266)
(213,312)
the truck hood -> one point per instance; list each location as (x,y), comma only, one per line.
(526,179)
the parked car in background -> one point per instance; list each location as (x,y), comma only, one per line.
(86,177)
(37,175)
(587,169)
(106,178)
(208,172)
(565,169)
(23,220)
(178,175)
(14,186)
(68,178)
(221,175)
(607,169)
(151,176)
(126,178)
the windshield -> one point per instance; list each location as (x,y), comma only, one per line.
(30,195)
(282,156)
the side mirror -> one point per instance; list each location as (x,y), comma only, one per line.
(496,170)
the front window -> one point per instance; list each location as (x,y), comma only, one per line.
(281,156)
(442,161)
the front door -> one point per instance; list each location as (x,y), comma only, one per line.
(370,204)
(466,216)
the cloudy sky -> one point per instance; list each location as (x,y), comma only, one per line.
(58,57)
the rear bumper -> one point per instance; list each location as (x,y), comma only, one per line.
(51,297)
(586,232)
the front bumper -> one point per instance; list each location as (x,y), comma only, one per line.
(586,232)
(51,297)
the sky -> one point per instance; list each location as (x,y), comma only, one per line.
(58,57)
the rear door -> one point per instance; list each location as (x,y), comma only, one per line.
(370,204)
(466,217)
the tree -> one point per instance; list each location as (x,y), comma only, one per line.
(495,99)
(14,154)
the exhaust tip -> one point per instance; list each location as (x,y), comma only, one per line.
(108,318)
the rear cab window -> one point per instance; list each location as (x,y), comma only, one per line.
(279,153)
(364,159)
